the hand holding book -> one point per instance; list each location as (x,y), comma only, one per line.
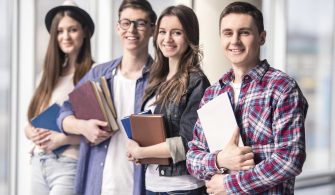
(38,135)
(92,131)
(92,100)
(234,157)
(45,122)
(52,141)
(147,130)
(222,134)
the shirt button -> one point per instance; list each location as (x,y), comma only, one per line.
(102,164)
(162,172)
(105,146)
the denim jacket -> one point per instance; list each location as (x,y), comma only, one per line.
(180,118)
(92,158)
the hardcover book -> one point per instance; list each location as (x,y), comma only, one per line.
(126,123)
(106,92)
(89,102)
(148,130)
(48,120)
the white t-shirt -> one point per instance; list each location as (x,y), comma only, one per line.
(237,89)
(156,183)
(60,93)
(118,173)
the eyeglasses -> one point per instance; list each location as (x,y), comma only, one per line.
(139,24)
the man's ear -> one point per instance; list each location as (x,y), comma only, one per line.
(153,30)
(117,27)
(263,37)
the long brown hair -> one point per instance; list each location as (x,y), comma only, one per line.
(53,64)
(174,88)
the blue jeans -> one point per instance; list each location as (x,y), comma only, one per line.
(52,175)
(198,191)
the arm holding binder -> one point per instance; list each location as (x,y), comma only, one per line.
(44,132)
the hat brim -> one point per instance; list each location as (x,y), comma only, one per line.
(51,14)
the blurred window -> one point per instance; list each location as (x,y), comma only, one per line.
(310,51)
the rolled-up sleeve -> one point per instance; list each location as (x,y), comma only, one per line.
(65,111)
(176,148)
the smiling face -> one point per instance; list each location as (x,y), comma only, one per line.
(171,38)
(134,39)
(241,40)
(70,36)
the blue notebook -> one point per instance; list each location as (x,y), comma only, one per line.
(126,123)
(48,120)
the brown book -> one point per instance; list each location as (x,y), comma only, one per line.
(106,92)
(148,130)
(105,106)
(89,102)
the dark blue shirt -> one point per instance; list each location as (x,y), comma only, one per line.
(92,158)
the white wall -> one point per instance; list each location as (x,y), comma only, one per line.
(25,82)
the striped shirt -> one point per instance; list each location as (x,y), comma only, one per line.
(270,113)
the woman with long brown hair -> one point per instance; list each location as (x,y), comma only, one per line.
(67,59)
(175,88)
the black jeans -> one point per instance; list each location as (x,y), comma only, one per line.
(198,191)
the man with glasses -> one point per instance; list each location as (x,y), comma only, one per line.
(102,166)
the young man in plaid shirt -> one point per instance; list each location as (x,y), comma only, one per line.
(270,111)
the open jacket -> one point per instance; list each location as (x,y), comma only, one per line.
(180,118)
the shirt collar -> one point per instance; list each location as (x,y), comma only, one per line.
(145,70)
(257,73)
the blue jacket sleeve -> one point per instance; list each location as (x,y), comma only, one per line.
(94,74)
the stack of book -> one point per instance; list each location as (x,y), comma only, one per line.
(146,129)
(92,100)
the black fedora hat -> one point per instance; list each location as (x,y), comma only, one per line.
(69,5)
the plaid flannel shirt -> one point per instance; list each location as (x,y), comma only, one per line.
(270,113)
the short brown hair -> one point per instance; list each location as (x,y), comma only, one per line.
(244,8)
(139,4)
